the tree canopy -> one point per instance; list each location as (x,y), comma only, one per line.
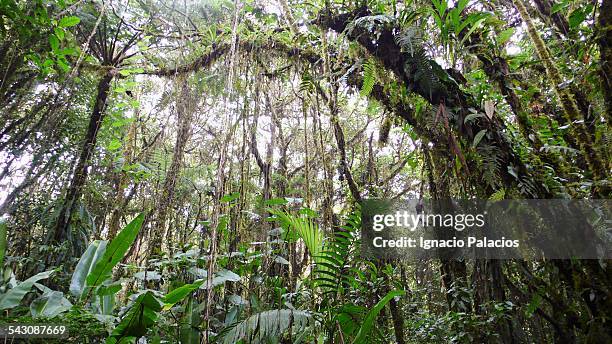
(192,171)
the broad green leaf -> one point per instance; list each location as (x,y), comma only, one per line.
(281,260)
(114,145)
(577,17)
(60,33)
(105,303)
(368,322)
(54,43)
(50,305)
(276,201)
(69,51)
(114,253)
(88,260)
(69,21)
(505,35)
(13,297)
(558,7)
(148,275)
(230,197)
(221,277)
(225,276)
(461,5)
(533,305)
(472,116)
(346,316)
(178,294)
(130,71)
(478,19)
(440,5)
(141,316)
(62,63)
(479,137)
(110,289)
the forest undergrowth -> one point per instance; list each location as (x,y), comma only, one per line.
(193,171)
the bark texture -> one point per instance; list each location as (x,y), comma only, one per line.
(81,170)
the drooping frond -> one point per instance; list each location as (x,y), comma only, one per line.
(266,325)
(417,65)
(409,40)
(305,228)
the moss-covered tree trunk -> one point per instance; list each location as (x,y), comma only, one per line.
(184,115)
(81,171)
(604,22)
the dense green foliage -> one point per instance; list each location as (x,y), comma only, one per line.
(192,171)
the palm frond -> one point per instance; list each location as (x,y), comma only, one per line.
(266,325)
(305,228)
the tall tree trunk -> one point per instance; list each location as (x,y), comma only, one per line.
(452,271)
(79,178)
(264,164)
(567,99)
(184,114)
(270,151)
(605,51)
(341,142)
(121,183)
(332,103)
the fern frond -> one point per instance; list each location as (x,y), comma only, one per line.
(409,40)
(331,269)
(527,188)
(307,84)
(369,77)
(491,164)
(498,195)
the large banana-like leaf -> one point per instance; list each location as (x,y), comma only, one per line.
(50,305)
(88,260)
(178,294)
(115,251)
(189,333)
(13,297)
(221,277)
(137,321)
